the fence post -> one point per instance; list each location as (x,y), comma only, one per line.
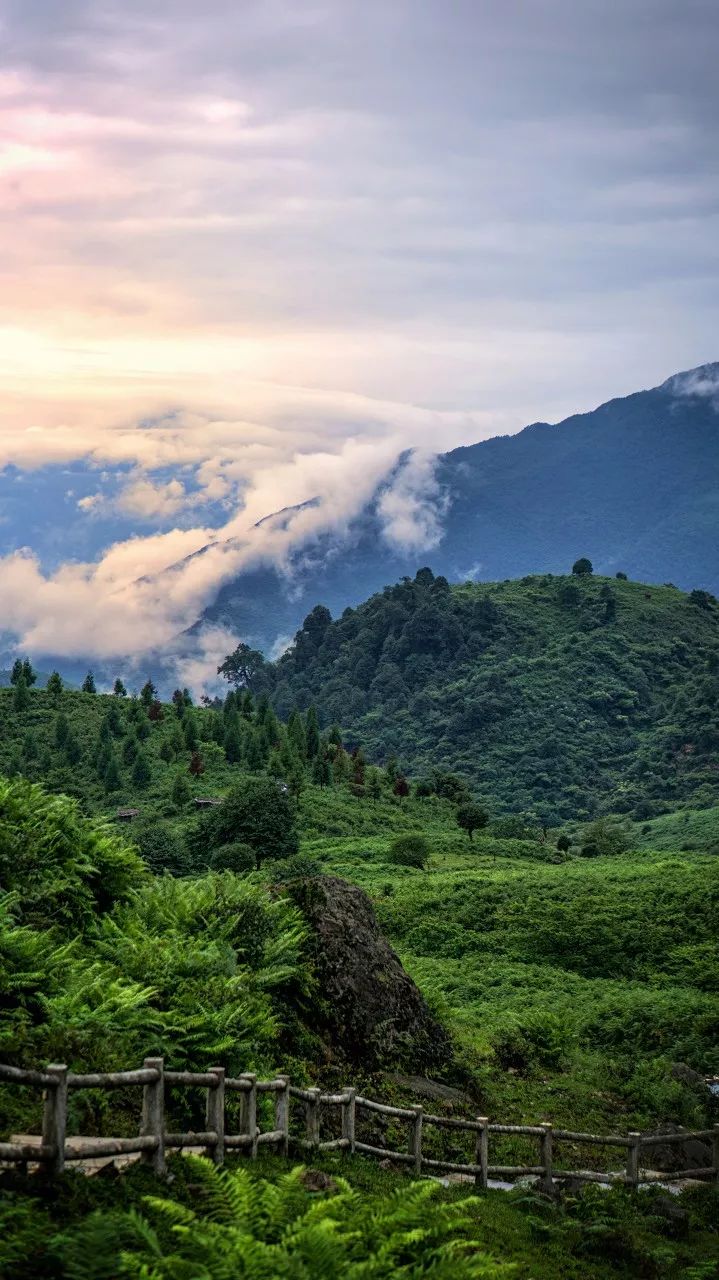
(349,1110)
(54,1118)
(153,1115)
(632,1172)
(282,1114)
(715,1152)
(248,1113)
(415,1139)
(216,1114)
(481,1153)
(545,1158)
(313,1118)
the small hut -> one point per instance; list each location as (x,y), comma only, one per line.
(126,815)
(207,802)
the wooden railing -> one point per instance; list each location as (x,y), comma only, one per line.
(152,1142)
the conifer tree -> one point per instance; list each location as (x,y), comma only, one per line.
(54,687)
(141,772)
(28,675)
(73,750)
(248,705)
(16,673)
(88,684)
(233,744)
(21,696)
(130,749)
(62,728)
(113,781)
(312,733)
(119,689)
(255,754)
(148,694)
(181,793)
(296,734)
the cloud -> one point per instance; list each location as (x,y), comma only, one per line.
(702,382)
(261,252)
(411,508)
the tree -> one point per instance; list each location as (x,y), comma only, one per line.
(242,667)
(141,771)
(130,748)
(148,694)
(233,743)
(54,687)
(256,812)
(472,817)
(237,857)
(155,711)
(88,684)
(401,787)
(296,734)
(321,771)
(582,568)
(73,750)
(564,843)
(180,793)
(112,779)
(621,576)
(189,731)
(16,674)
(196,765)
(410,851)
(312,733)
(62,728)
(21,696)
(119,689)
(374,784)
(28,675)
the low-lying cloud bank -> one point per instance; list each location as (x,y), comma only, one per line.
(144,591)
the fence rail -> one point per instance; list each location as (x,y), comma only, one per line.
(54,1150)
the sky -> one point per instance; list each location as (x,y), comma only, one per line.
(251,252)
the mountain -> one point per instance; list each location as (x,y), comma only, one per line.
(634,485)
(566,696)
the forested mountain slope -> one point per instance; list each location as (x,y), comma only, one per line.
(633,483)
(563,695)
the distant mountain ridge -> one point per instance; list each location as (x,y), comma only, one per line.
(633,484)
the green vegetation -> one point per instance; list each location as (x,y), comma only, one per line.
(341,1218)
(558,920)
(558,696)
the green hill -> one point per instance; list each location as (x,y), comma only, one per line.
(565,696)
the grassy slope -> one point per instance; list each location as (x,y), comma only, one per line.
(543,704)
(570,987)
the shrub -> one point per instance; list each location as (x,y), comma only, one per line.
(410,851)
(238,857)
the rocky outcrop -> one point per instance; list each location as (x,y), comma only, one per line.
(371,1012)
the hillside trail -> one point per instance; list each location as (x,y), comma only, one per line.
(92,1166)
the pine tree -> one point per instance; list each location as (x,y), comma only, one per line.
(54,687)
(113,781)
(248,706)
(73,750)
(312,733)
(196,765)
(130,749)
(255,754)
(16,673)
(28,675)
(148,694)
(166,752)
(62,728)
(321,771)
(119,689)
(88,684)
(296,734)
(114,720)
(141,772)
(233,744)
(181,793)
(189,731)
(373,782)
(335,736)
(21,696)
(29,746)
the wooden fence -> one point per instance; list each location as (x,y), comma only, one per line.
(153,1141)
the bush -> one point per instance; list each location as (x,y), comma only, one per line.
(300,867)
(258,813)
(410,851)
(237,857)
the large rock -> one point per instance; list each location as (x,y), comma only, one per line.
(371,1010)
